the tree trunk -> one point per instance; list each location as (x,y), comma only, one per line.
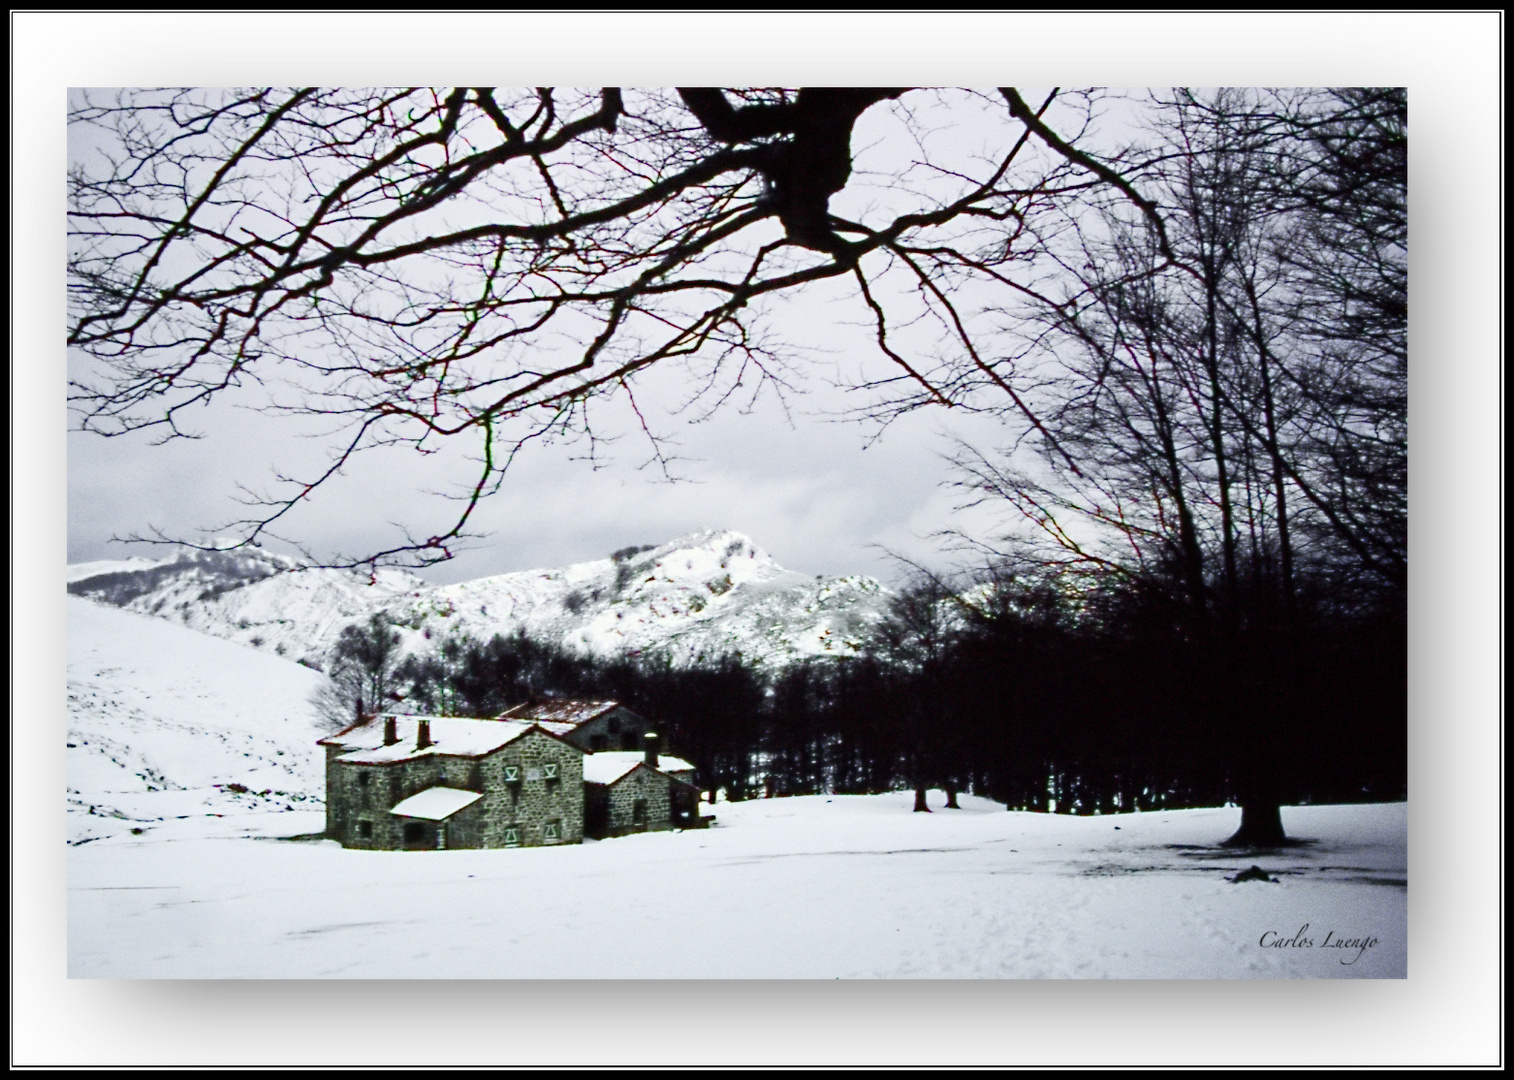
(1216,428)
(1261,819)
(920,807)
(951,797)
(1264,355)
(1261,826)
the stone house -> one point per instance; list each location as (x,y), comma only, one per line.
(432,782)
(626,792)
(594,726)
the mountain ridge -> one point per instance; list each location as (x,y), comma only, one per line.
(695,599)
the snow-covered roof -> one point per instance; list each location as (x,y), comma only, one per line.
(435,803)
(559,710)
(452,735)
(608,766)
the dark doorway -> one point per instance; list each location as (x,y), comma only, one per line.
(596,812)
(419,836)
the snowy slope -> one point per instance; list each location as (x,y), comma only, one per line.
(700,597)
(161,720)
(104,567)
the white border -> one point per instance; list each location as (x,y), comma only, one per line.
(1448,1010)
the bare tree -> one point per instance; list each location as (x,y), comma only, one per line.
(418,266)
(364,672)
(1223,399)
(1198,343)
(915,642)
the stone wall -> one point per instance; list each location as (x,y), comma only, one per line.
(358,798)
(618,729)
(639,784)
(336,820)
(518,812)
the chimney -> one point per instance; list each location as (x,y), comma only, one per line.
(649,740)
(391,735)
(423,735)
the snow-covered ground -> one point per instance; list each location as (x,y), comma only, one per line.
(811,887)
(173,875)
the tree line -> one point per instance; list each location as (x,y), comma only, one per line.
(1013,690)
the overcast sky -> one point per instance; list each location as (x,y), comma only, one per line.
(822,496)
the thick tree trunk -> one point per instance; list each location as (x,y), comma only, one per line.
(920,807)
(1261,826)
(1261,720)
(951,797)
(1261,818)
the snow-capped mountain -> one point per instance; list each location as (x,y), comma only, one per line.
(697,598)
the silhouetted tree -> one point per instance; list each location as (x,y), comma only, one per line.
(1200,344)
(1224,427)
(915,639)
(487,264)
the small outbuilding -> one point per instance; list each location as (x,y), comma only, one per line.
(627,792)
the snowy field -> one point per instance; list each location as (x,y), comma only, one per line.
(811,887)
(172,875)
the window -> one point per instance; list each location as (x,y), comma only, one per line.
(599,742)
(549,770)
(533,774)
(512,774)
(552,832)
(512,837)
(365,830)
(362,779)
(614,725)
(639,812)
